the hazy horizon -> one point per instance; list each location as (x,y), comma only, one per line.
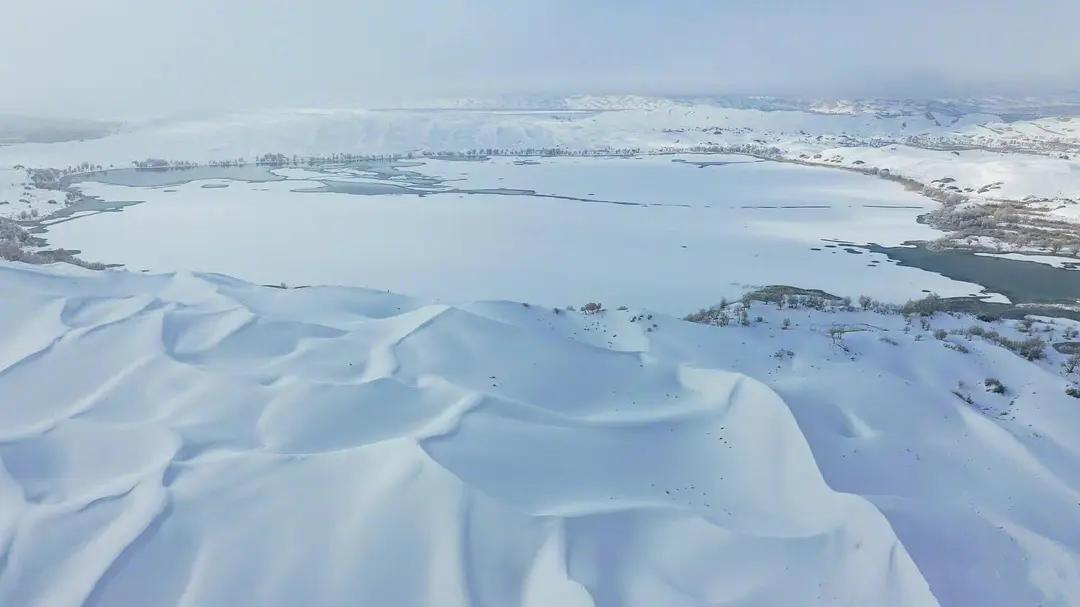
(121,58)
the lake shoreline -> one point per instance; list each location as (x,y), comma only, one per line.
(411,182)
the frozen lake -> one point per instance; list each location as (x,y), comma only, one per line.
(653,231)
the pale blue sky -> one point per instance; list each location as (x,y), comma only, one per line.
(113,58)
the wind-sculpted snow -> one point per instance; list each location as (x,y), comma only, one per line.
(193,440)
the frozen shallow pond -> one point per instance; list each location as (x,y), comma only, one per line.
(689,236)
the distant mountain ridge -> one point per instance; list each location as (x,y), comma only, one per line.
(1010,109)
(16,128)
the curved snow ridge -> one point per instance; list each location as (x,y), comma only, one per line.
(190,439)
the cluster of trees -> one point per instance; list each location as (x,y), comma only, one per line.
(51,179)
(277,158)
(16,244)
(722,315)
(1031,348)
(1008,224)
(161,163)
(228,162)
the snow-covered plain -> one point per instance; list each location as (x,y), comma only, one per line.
(190,439)
(691,237)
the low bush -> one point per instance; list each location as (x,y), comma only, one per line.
(1031,348)
(926,306)
(716,316)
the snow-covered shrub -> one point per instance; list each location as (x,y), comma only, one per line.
(743,316)
(1071,364)
(716,316)
(925,306)
(1032,348)
(592,308)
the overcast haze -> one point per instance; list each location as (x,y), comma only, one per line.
(118,58)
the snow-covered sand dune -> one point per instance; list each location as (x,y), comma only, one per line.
(193,440)
(190,439)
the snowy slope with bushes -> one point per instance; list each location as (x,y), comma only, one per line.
(21,200)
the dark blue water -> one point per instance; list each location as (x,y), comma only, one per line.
(1020,281)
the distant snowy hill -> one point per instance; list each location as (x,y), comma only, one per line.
(22,129)
(1038,157)
(552,102)
(193,439)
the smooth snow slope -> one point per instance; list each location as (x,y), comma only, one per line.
(194,440)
